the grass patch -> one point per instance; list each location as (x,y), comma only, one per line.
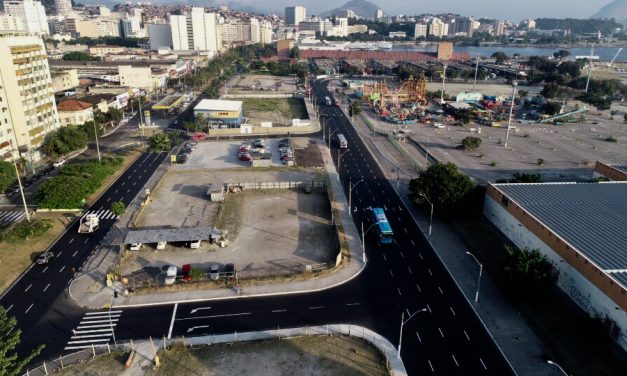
(104,365)
(313,355)
(16,257)
(290,108)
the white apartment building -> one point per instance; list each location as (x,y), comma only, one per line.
(294,15)
(260,32)
(11,23)
(32,14)
(420,30)
(196,31)
(437,28)
(27,106)
(141,78)
(63,7)
(499,28)
(378,14)
(178,27)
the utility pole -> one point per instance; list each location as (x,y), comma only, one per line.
(474,85)
(96,135)
(443,78)
(511,112)
(590,68)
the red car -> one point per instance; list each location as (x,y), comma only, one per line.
(187,268)
(244,157)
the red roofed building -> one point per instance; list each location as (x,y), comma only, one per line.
(72,111)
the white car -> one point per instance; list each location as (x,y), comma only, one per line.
(439,125)
(135,246)
(58,163)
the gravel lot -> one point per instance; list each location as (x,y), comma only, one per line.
(240,84)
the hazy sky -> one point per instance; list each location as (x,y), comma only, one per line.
(512,9)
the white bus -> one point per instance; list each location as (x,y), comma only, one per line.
(342,141)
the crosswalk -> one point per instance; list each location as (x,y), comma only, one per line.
(102,214)
(12,216)
(95,330)
(174,130)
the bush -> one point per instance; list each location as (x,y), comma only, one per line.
(7,175)
(611,139)
(118,208)
(540,162)
(530,273)
(196,274)
(65,140)
(25,230)
(470,143)
(74,183)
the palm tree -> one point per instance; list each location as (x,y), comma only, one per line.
(159,142)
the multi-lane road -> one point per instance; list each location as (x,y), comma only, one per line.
(404,277)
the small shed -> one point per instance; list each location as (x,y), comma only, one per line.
(216,192)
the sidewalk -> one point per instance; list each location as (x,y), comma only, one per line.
(88,289)
(516,340)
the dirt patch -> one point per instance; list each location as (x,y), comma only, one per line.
(280,111)
(104,365)
(307,153)
(313,356)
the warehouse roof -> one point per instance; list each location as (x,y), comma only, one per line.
(218,105)
(591,217)
(184,234)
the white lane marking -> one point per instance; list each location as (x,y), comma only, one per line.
(29,307)
(420,255)
(86,240)
(28,288)
(46,288)
(483,364)
(455,360)
(466,334)
(107,320)
(418,287)
(440,330)
(109,330)
(43,271)
(399,291)
(429,270)
(176,306)
(408,268)
(74,254)
(419,339)
(402,255)
(102,313)
(384,258)
(85,346)
(279,310)
(412,243)
(107,325)
(92,336)
(198,309)
(88,341)
(353,304)
(62,269)
(451,308)
(71,240)
(430,365)
(391,273)
(429,308)
(404,229)
(316,307)
(214,316)
(398,219)
(441,292)
(59,255)
(8,309)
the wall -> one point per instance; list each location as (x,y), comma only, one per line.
(579,288)
(610,172)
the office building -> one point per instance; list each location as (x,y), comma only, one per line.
(420,30)
(63,7)
(11,23)
(26,96)
(160,36)
(581,228)
(295,15)
(378,14)
(196,30)
(32,14)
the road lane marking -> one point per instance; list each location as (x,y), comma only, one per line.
(402,255)
(466,334)
(62,269)
(86,240)
(29,307)
(189,330)
(43,271)
(8,309)
(440,330)
(215,316)
(451,308)
(412,243)
(198,309)
(391,273)
(404,229)
(384,258)
(430,365)
(418,287)
(176,306)
(109,330)
(353,304)
(429,308)
(399,291)
(420,255)
(88,341)
(419,339)
(441,292)
(429,270)
(279,310)
(105,325)
(71,240)
(91,336)
(74,254)
(112,319)
(28,288)
(483,364)
(46,288)
(317,307)
(455,360)
(409,269)
(59,255)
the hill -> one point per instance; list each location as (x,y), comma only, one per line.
(617,10)
(361,8)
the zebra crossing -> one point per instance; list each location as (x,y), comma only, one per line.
(95,330)
(12,216)
(175,130)
(101,214)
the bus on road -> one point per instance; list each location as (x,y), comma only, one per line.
(384,230)
(342,141)
(327,101)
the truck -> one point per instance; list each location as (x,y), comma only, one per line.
(327,101)
(88,224)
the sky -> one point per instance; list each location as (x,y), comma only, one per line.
(515,10)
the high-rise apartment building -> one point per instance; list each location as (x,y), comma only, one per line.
(420,30)
(463,25)
(63,7)
(294,15)
(378,14)
(499,28)
(437,28)
(196,30)
(27,107)
(11,23)
(32,14)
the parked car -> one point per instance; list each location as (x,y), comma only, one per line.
(229,271)
(214,272)
(194,244)
(186,271)
(58,163)
(135,246)
(244,157)
(45,258)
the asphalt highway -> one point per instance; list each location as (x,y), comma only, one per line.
(401,278)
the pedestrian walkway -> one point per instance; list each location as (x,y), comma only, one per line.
(101,214)
(96,329)
(12,216)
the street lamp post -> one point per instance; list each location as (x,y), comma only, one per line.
(443,78)
(403,322)
(96,135)
(474,85)
(557,365)
(19,183)
(350,195)
(480,273)
(363,239)
(511,112)
(430,215)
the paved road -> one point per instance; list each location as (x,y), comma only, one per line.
(404,277)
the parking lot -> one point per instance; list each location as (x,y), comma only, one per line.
(224,154)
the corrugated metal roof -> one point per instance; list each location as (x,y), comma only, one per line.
(622,168)
(592,217)
(184,234)
(218,105)
(620,277)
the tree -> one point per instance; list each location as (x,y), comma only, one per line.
(77,56)
(470,143)
(561,54)
(159,142)
(551,108)
(7,175)
(10,363)
(500,57)
(523,177)
(65,140)
(355,108)
(443,184)
(529,272)
(118,208)
(295,52)
(88,129)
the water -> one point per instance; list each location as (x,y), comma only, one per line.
(604,53)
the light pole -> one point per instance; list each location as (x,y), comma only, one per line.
(350,195)
(430,215)
(363,239)
(480,273)
(403,322)
(511,112)
(96,135)
(111,322)
(339,160)
(330,135)
(557,365)
(443,78)
(474,85)
(590,69)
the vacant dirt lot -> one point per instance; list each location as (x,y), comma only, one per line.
(306,356)
(260,84)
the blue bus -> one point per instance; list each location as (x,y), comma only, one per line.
(383,226)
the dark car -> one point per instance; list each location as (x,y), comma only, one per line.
(45,258)
(229,271)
